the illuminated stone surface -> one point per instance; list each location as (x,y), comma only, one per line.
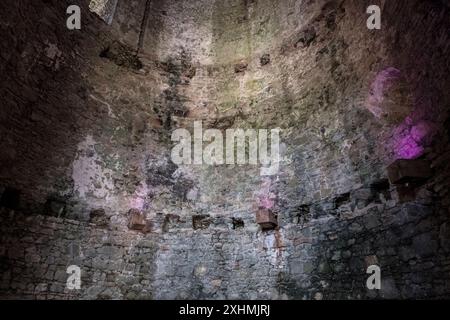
(86,120)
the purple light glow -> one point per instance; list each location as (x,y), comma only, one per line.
(383,81)
(266,198)
(410,138)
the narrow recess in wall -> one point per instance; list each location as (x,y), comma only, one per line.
(121,55)
(267,219)
(55,207)
(341,200)
(144,25)
(105,9)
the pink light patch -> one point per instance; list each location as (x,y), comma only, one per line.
(383,81)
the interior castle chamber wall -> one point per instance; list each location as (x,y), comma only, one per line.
(87,116)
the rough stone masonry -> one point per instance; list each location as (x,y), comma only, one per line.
(86,176)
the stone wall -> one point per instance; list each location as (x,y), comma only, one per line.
(324,258)
(86,122)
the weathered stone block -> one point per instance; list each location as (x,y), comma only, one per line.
(409,171)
